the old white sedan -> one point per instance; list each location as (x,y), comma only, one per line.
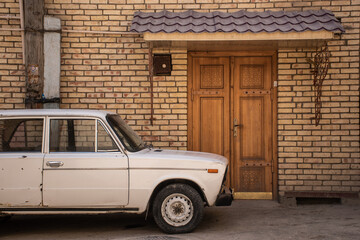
(84,161)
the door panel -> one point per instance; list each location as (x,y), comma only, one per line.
(86,180)
(21,159)
(251,132)
(212,138)
(20,179)
(251,179)
(210,95)
(252,106)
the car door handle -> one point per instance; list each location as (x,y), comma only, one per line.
(54,163)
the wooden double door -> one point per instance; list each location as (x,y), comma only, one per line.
(231,114)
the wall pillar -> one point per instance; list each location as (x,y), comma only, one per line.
(52,40)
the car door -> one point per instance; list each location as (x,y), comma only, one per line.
(84,166)
(21,160)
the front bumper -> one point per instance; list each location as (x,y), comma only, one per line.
(224,198)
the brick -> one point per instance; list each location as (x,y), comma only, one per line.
(294,182)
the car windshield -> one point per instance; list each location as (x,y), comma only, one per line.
(127,136)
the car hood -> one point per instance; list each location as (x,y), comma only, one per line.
(175,158)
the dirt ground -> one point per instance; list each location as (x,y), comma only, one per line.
(243,220)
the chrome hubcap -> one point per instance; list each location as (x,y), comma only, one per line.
(177,210)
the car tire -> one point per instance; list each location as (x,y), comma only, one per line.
(178,208)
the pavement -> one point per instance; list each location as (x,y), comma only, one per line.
(245,219)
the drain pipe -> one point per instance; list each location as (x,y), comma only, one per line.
(52,58)
(151,78)
(21,9)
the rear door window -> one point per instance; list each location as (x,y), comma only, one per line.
(21,135)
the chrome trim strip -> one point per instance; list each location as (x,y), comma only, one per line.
(67,209)
(167,169)
(86,169)
(188,169)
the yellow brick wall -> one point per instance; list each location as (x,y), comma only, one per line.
(111,72)
(326,157)
(12,80)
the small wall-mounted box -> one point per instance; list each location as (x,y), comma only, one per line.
(162,64)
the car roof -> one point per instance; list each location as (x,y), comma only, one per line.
(54,112)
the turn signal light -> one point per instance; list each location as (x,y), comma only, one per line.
(213,171)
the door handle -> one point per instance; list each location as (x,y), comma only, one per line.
(236,125)
(54,163)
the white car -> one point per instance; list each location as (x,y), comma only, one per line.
(88,161)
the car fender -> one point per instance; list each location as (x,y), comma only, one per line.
(144,184)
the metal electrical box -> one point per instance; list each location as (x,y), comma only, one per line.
(162,64)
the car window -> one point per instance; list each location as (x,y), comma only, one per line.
(21,135)
(104,140)
(72,135)
(80,135)
(127,136)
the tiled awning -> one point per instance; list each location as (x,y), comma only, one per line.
(236,26)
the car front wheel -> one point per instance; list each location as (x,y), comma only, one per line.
(178,208)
